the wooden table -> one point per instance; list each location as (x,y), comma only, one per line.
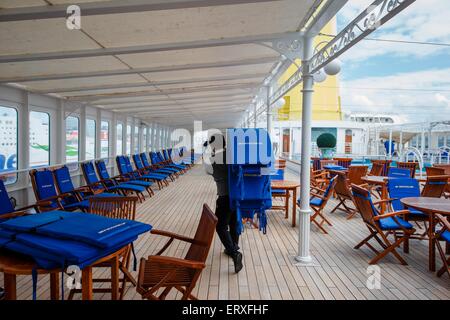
(12,264)
(287,186)
(382,182)
(430,206)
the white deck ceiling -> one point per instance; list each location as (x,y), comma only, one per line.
(182,78)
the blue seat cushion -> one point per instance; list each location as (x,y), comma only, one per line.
(127,186)
(276,192)
(446,236)
(391,224)
(82,205)
(140,183)
(317,202)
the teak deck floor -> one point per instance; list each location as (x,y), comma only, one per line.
(340,272)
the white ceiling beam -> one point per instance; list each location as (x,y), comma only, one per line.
(148,48)
(227,106)
(152,83)
(194,66)
(113,7)
(245,87)
(324,15)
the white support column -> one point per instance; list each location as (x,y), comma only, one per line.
(390,144)
(152,137)
(255,120)
(157,138)
(268,112)
(147,139)
(61,133)
(422,146)
(113,136)
(98,130)
(23,162)
(82,134)
(303,255)
(377,141)
(400,143)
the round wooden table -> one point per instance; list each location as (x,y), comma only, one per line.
(288,187)
(430,206)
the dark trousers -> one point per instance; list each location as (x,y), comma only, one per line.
(227,224)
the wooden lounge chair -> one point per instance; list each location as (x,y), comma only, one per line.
(381,226)
(385,165)
(7,210)
(445,169)
(376,170)
(167,273)
(355,173)
(343,194)
(409,165)
(435,186)
(117,208)
(443,235)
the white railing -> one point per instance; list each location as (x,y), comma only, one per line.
(416,155)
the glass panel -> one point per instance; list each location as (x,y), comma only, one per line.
(136,140)
(72,141)
(39,139)
(104,139)
(91,141)
(119,140)
(128,150)
(8,143)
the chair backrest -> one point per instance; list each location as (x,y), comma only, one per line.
(43,184)
(154,158)
(328,191)
(160,156)
(446,168)
(376,170)
(138,161)
(409,165)
(114,207)
(122,165)
(198,251)
(399,172)
(102,170)
(316,163)
(364,204)
(165,154)
(402,188)
(342,187)
(89,174)
(63,180)
(434,171)
(344,162)
(144,160)
(355,173)
(5,202)
(435,186)
(128,164)
(327,163)
(386,164)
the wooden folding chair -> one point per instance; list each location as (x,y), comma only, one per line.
(355,173)
(381,226)
(343,194)
(385,166)
(166,273)
(318,201)
(344,162)
(376,170)
(443,235)
(409,165)
(117,208)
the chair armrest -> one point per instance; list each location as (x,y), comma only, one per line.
(171,235)
(317,196)
(14,214)
(391,214)
(444,221)
(177,262)
(385,200)
(33,206)
(318,189)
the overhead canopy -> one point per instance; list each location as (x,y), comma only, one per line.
(171,62)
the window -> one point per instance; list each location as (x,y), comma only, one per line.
(119,141)
(8,143)
(104,139)
(72,142)
(91,136)
(128,150)
(136,140)
(39,139)
(144,139)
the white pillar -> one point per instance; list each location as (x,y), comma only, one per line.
(377,141)
(82,134)
(400,143)
(422,147)
(61,133)
(98,132)
(303,255)
(255,120)
(390,144)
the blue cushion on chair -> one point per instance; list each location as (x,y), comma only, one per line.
(277,192)
(316,202)
(391,224)
(446,236)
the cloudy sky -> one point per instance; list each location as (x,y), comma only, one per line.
(410,80)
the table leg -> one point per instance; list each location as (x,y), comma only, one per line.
(286,204)
(10,286)
(87,286)
(431,247)
(54,286)
(115,278)
(294,207)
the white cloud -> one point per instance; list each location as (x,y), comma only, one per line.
(376,94)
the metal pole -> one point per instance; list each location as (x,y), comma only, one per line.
(255,120)
(305,211)
(400,144)
(390,144)
(269,114)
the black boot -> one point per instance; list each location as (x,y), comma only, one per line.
(237,259)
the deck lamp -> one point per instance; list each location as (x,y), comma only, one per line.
(280,103)
(333,68)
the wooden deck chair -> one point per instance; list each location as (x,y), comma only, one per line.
(355,173)
(376,170)
(318,178)
(116,208)
(147,172)
(45,191)
(7,210)
(381,226)
(385,166)
(399,172)
(344,162)
(131,176)
(446,171)
(148,166)
(324,163)
(167,273)
(316,163)
(443,234)
(318,200)
(435,186)
(409,165)
(343,194)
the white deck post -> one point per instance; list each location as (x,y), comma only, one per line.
(305,211)
(255,120)
(400,144)
(268,113)
(390,144)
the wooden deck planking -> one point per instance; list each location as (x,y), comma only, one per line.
(340,272)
